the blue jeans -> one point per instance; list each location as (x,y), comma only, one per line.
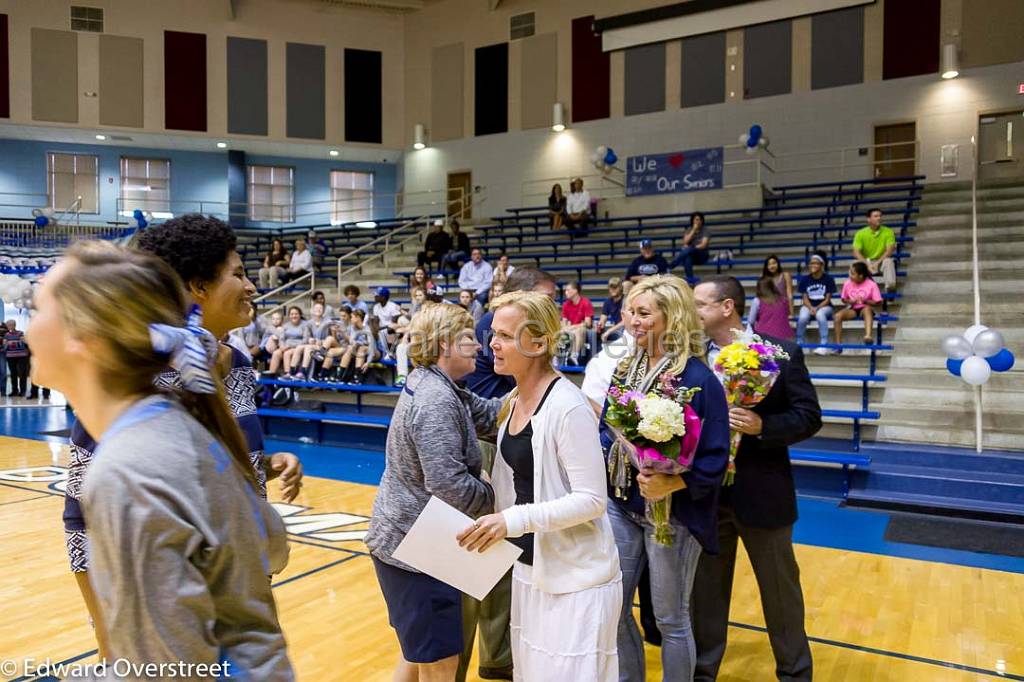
(3,374)
(822,316)
(452,260)
(672,570)
(689,256)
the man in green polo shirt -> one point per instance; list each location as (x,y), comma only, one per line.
(874,245)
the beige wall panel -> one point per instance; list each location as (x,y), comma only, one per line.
(121,81)
(54,76)
(993,33)
(447,93)
(539,78)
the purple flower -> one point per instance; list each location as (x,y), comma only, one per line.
(759,349)
(630,395)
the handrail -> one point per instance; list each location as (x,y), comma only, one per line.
(976,278)
(311,276)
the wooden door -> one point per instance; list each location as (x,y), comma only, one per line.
(895,152)
(460,190)
(1001,146)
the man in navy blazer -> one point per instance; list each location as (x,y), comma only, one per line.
(760,507)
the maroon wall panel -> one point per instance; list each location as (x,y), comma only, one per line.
(910,46)
(184,81)
(591,74)
(5,74)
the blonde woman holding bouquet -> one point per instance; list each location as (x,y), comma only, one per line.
(666,360)
(549,488)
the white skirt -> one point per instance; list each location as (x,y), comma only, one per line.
(564,637)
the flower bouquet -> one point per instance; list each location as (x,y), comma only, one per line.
(747,368)
(658,431)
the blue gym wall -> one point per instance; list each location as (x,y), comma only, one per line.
(195,177)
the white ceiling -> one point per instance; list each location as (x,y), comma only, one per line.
(199,143)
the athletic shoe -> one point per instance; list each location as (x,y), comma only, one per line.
(821,351)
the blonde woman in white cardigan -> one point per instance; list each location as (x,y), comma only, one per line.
(551,495)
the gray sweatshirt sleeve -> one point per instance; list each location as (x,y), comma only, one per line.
(439,446)
(484,412)
(180,567)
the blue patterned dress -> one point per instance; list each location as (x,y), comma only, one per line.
(240,388)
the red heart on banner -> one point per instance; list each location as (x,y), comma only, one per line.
(676,160)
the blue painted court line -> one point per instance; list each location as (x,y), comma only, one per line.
(51,493)
(894,654)
(27,499)
(826,524)
(293,538)
(315,570)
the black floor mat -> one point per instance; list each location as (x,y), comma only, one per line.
(59,433)
(970,536)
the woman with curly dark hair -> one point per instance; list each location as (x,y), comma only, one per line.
(202,251)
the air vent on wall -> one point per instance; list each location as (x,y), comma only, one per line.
(120,138)
(87,19)
(520,26)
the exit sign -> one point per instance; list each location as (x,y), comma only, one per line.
(1020,89)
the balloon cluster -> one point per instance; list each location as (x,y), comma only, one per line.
(976,353)
(43,217)
(140,219)
(604,158)
(754,138)
(16,291)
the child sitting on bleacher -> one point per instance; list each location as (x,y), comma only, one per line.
(296,334)
(770,314)
(270,344)
(817,288)
(320,326)
(335,345)
(861,294)
(352,299)
(362,349)
(468,300)
(251,335)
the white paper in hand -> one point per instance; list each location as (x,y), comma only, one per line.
(431,547)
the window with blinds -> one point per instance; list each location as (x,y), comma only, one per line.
(272,193)
(146,186)
(351,197)
(70,176)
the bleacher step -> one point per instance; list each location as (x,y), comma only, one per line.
(937,505)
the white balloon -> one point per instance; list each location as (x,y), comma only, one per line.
(971,332)
(744,137)
(763,141)
(988,343)
(975,370)
(602,150)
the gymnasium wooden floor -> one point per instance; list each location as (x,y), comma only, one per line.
(872,617)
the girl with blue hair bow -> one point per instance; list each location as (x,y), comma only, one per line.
(182,542)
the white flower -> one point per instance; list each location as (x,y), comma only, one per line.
(661,419)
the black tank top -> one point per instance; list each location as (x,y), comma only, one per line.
(517,451)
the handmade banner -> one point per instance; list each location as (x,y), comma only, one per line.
(692,170)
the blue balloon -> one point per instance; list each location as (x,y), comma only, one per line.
(754,136)
(610,158)
(142,223)
(42,221)
(954,366)
(137,214)
(1001,361)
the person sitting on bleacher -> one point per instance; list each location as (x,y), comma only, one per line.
(274,264)
(577,209)
(861,294)
(251,335)
(316,247)
(352,300)
(296,333)
(577,319)
(502,269)
(696,245)
(301,262)
(610,325)
(420,278)
(336,344)
(770,317)
(647,263)
(436,246)
(459,250)
(319,297)
(477,275)
(320,325)
(556,207)
(468,300)
(874,245)
(271,342)
(817,288)
(361,345)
